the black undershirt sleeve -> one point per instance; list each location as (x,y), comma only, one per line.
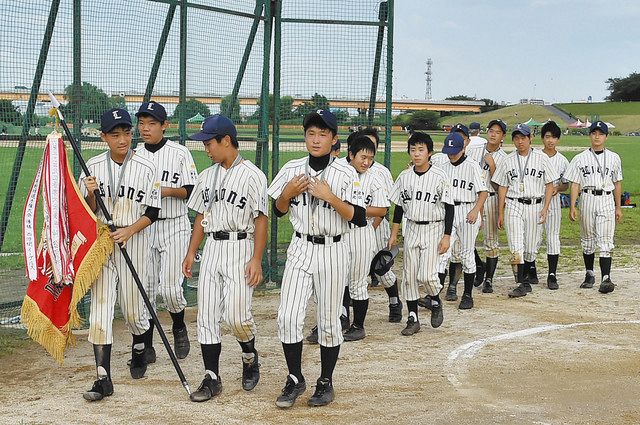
(448,218)
(152,213)
(189,189)
(359,216)
(397,214)
(276,211)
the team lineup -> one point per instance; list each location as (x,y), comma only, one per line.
(342,241)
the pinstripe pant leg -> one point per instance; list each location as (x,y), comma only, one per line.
(238,294)
(588,214)
(103,301)
(362,248)
(467,234)
(552,230)
(135,312)
(514,225)
(329,279)
(605,225)
(429,258)
(411,261)
(490,226)
(210,294)
(174,243)
(532,231)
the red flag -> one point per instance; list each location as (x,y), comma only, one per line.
(69,257)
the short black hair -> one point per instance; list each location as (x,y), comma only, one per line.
(420,138)
(370,131)
(352,136)
(361,143)
(551,127)
(234,140)
(318,122)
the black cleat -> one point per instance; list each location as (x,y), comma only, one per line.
(452,293)
(208,388)
(102,388)
(552,282)
(487,286)
(589,281)
(250,373)
(425,302)
(181,342)
(149,356)
(138,364)
(479,278)
(413,326)
(290,393)
(312,338)
(437,315)
(466,302)
(323,394)
(395,312)
(606,286)
(520,290)
(354,333)
(344,323)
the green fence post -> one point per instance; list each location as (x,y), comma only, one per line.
(275,155)
(382,17)
(33,97)
(159,52)
(262,159)
(182,126)
(388,123)
(76,107)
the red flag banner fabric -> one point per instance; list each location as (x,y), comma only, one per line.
(72,250)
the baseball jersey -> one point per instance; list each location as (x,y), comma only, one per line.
(136,182)
(372,190)
(175,168)
(385,175)
(560,164)
(476,141)
(525,176)
(230,199)
(594,171)
(422,197)
(312,216)
(477,154)
(466,180)
(439,159)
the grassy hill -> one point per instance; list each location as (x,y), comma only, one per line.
(624,115)
(511,115)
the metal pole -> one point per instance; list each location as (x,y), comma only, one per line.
(262,148)
(35,87)
(123,250)
(182,126)
(275,155)
(388,123)
(159,52)
(76,107)
(382,17)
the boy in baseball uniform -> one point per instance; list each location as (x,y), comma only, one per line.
(525,180)
(596,175)
(169,236)
(230,199)
(318,194)
(422,195)
(127,182)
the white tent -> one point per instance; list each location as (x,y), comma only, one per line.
(609,125)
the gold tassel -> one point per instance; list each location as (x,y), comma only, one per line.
(41,330)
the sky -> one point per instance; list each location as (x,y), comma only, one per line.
(556,50)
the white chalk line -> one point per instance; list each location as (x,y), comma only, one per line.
(457,359)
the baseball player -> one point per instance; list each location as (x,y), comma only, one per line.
(230,198)
(335,149)
(489,156)
(526,181)
(469,192)
(596,174)
(127,182)
(475,140)
(422,196)
(550,134)
(169,236)
(319,195)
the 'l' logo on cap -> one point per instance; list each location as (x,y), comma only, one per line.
(150,106)
(116,116)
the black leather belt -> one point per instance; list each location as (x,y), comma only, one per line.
(527,201)
(492,193)
(225,236)
(318,239)
(597,192)
(462,203)
(428,222)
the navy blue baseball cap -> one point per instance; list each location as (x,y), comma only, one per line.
(599,125)
(522,129)
(462,128)
(474,126)
(453,144)
(154,109)
(502,124)
(325,115)
(215,126)
(113,118)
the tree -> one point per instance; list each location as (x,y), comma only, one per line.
(424,120)
(624,89)
(190,108)
(460,97)
(9,113)
(229,110)
(286,108)
(93,102)
(489,105)
(316,102)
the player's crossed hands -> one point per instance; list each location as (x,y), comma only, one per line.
(320,189)
(296,186)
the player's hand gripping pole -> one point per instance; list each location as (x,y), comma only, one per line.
(125,254)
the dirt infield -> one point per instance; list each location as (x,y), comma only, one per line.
(553,357)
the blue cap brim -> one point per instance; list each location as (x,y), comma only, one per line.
(202,136)
(451,150)
(524,133)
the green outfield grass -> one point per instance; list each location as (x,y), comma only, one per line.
(601,108)
(512,115)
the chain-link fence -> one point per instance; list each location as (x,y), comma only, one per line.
(197,58)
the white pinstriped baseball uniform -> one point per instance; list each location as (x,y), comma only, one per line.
(169,235)
(138,189)
(311,268)
(422,198)
(230,200)
(439,159)
(371,189)
(554,217)
(476,141)
(525,178)
(383,231)
(597,212)
(467,181)
(490,209)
